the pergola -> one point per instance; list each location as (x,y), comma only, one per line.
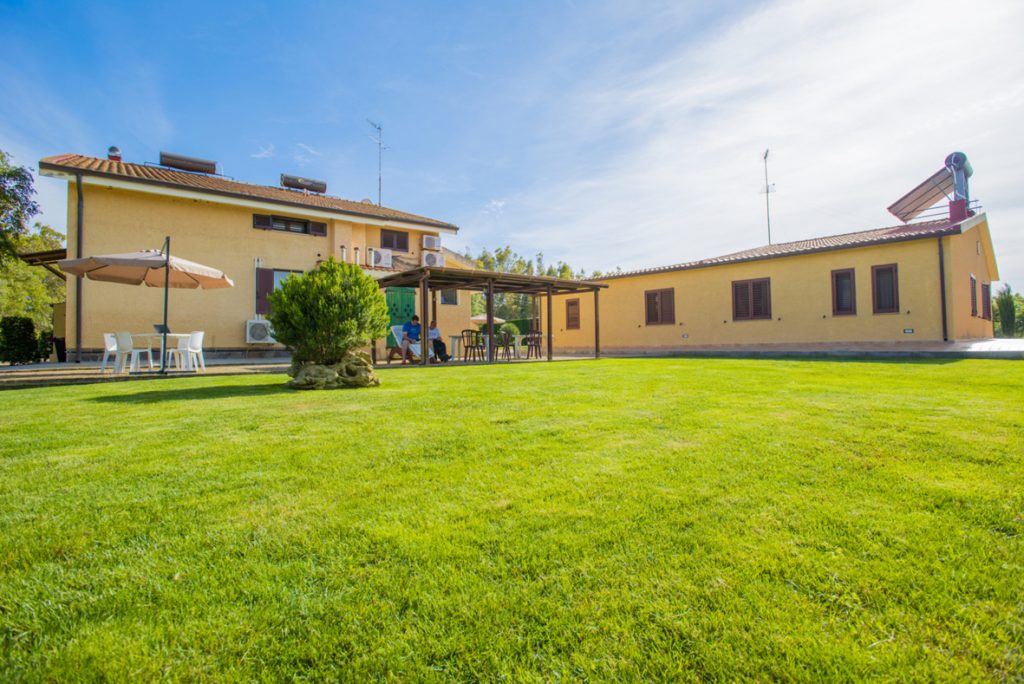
(47,260)
(429,279)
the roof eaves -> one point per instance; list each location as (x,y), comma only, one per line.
(55,164)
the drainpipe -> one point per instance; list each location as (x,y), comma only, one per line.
(942,291)
(78,255)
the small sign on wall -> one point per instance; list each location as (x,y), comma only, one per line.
(908,331)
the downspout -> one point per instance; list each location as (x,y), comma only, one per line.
(79,222)
(942,291)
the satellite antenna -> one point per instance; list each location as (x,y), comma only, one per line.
(380,153)
(767,190)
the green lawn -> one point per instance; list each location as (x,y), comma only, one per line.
(618,519)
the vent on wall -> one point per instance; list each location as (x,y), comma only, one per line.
(434,260)
(193,164)
(300,183)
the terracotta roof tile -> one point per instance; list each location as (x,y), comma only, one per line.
(159,175)
(863,238)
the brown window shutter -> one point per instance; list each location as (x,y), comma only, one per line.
(974,296)
(668,306)
(652,311)
(761,300)
(264,286)
(844,294)
(319,229)
(572,314)
(262,222)
(885,291)
(740,300)
(986,302)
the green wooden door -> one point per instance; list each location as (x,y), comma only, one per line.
(401,307)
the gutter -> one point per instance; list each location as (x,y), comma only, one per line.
(79,222)
(942,291)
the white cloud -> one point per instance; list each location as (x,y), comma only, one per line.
(858,103)
(264,152)
(308,149)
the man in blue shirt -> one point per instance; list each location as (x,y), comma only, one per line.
(412,331)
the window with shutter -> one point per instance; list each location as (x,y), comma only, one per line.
(396,240)
(262,222)
(318,229)
(268,280)
(450,296)
(844,296)
(660,307)
(974,296)
(751,299)
(572,314)
(986,302)
(885,292)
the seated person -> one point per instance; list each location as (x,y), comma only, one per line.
(440,349)
(412,331)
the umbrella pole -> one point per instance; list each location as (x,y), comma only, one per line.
(167,283)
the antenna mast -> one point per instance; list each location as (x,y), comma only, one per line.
(768,189)
(380,154)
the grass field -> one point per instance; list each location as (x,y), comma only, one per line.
(619,519)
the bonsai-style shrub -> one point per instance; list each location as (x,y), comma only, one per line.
(510,328)
(325,317)
(18,343)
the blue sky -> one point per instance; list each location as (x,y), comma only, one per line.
(601,133)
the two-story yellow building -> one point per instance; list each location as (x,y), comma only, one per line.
(256,234)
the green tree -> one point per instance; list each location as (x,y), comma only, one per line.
(1005,311)
(16,205)
(31,290)
(328,312)
(504,260)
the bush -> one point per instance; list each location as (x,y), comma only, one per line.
(328,312)
(45,345)
(510,327)
(18,342)
(1005,305)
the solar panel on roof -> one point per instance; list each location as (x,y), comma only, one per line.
(924,196)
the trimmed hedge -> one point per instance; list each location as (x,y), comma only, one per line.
(18,342)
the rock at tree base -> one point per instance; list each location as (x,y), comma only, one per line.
(355,370)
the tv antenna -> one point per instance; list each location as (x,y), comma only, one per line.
(767,190)
(380,154)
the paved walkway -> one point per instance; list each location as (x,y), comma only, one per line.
(996,348)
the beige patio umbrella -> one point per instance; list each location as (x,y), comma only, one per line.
(482,318)
(155,268)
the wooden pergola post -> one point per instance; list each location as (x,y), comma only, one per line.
(597,326)
(424,303)
(551,337)
(490,321)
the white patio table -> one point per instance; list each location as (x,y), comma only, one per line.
(147,339)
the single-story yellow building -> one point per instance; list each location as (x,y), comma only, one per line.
(927,281)
(256,234)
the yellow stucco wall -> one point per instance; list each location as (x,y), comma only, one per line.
(801,303)
(969,254)
(216,234)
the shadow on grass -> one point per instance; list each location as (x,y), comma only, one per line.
(193,393)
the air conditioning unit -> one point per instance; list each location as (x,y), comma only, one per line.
(259,332)
(378,258)
(433,260)
(432,242)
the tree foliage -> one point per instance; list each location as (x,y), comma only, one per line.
(505,260)
(31,290)
(328,312)
(1008,313)
(16,205)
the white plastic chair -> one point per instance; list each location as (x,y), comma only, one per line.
(414,347)
(195,351)
(109,349)
(179,355)
(126,351)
